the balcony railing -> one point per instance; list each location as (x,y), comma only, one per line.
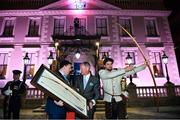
(142,92)
(34,93)
(151,91)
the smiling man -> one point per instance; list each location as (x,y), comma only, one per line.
(88,86)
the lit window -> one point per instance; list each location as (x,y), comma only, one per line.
(157,64)
(151,29)
(126,24)
(3,65)
(101,26)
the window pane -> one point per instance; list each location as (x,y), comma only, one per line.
(8,28)
(157,64)
(101,26)
(126,23)
(83,22)
(151,28)
(59,26)
(157,68)
(33,28)
(3,58)
(3,70)
(30,71)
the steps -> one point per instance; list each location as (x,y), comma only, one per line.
(40,109)
(99,114)
(100,110)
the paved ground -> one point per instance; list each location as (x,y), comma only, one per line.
(167,112)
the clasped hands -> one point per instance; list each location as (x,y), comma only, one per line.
(8,92)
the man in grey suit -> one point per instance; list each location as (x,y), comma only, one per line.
(111,80)
(88,86)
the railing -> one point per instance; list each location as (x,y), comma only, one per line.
(34,93)
(151,91)
(142,92)
(177,90)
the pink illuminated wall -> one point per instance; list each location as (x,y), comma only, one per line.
(114,44)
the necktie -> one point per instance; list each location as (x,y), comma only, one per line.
(85,81)
(65,77)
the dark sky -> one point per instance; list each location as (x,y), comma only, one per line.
(172,4)
(174,22)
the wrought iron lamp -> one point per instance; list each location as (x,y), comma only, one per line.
(26,60)
(50,58)
(165,61)
(77,54)
(129,62)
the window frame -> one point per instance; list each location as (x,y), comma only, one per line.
(123,33)
(155,25)
(37,23)
(105,18)
(13,19)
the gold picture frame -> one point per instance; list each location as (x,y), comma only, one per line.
(55,87)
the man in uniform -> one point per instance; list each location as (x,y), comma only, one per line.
(13,92)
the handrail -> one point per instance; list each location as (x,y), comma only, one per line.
(145,92)
(151,92)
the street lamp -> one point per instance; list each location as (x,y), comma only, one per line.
(129,62)
(77,54)
(97,56)
(165,61)
(50,59)
(26,60)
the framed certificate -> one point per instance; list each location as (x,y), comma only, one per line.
(55,87)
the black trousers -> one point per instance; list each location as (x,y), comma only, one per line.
(115,110)
(91,112)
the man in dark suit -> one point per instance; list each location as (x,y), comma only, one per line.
(56,109)
(88,86)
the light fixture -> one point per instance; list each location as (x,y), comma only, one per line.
(56,44)
(104,56)
(26,59)
(129,59)
(50,58)
(80,4)
(165,61)
(164,58)
(77,54)
(97,44)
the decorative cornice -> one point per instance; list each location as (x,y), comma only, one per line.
(85,12)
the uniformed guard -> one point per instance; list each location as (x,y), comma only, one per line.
(13,91)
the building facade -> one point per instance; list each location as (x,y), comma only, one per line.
(31,31)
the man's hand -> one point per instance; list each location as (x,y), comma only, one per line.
(129,68)
(59,103)
(8,92)
(90,104)
(146,62)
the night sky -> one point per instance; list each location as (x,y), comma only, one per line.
(174,22)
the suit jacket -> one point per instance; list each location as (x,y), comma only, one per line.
(51,107)
(92,88)
(112,81)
